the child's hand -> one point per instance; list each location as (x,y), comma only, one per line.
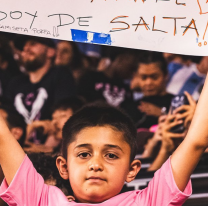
(168,138)
(166,123)
(158,134)
(187,110)
(46,125)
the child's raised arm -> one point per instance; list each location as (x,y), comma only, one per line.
(187,155)
(11,153)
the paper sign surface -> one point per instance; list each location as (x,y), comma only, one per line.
(175,26)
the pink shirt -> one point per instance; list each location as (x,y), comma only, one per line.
(28,189)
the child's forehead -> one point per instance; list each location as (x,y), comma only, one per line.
(99,134)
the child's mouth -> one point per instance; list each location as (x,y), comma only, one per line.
(95,179)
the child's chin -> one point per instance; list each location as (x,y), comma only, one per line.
(96,198)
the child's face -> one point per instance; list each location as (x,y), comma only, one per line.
(98,164)
(150,79)
(59,118)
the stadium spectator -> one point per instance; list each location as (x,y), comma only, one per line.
(111,85)
(92,54)
(150,78)
(96,86)
(8,66)
(123,66)
(34,93)
(185,76)
(62,111)
(203,65)
(68,55)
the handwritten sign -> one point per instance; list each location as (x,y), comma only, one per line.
(175,26)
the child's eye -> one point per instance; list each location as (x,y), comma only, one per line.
(111,156)
(84,155)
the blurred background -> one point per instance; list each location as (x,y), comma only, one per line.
(43,82)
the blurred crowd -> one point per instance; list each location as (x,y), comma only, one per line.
(43,82)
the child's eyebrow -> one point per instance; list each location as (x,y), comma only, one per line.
(114,146)
(106,145)
(83,145)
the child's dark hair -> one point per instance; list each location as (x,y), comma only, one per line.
(155,57)
(73,103)
(99,115)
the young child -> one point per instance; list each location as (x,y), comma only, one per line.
(98,157)
(61,112)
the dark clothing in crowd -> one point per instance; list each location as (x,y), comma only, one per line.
(141,119)
(95,86)
(34,101)
(5,77)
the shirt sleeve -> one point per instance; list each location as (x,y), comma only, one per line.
(162,189)
(27,187)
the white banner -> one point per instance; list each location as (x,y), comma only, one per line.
(175,26)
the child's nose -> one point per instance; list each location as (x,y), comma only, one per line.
(96,165)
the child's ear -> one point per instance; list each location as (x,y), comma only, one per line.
(61,164)
(134,169)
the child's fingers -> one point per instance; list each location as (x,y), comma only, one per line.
(177,135)
(190,98)
(170,118)
(182,116)
(162,118)
(173,124)
(181,108)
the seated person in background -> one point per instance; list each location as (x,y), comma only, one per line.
(170,140)
(8,66)
(97,86)
(68,55)
(123,66)
(62,111)
(33,93)
(91,53)
(150,78)
(185,76)
(176,62)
